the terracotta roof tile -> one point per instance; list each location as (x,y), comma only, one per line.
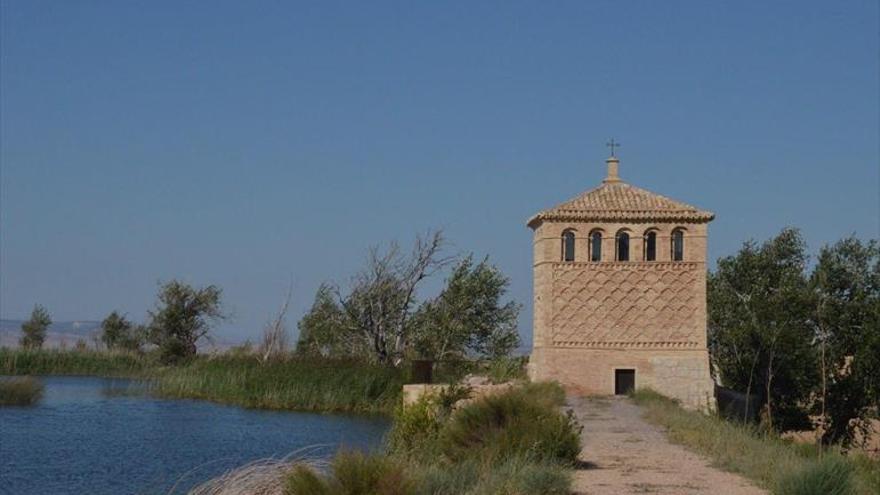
(618,200)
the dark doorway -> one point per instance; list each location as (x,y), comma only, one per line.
(624,381)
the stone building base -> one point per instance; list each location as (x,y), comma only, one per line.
(679,374)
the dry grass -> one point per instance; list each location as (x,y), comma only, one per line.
(261,477)
(276,339)
(780,465)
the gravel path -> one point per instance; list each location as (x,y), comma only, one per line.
(622,454)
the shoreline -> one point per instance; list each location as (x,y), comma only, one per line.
(291,384)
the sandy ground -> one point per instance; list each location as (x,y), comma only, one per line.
(623,454)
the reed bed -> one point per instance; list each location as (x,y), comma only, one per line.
(73,362)
(779,465)
(287,382)
(292,383)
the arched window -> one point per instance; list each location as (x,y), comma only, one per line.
(568,245)
(677,245)
(622,246)
(596,246)
(651,246)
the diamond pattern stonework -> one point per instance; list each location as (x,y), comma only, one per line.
(626,305)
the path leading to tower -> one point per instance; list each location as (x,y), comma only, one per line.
(621,453)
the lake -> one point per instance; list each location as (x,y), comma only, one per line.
(101,436)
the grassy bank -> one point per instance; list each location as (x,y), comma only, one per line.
(516,442)
(71,362)
(781,466)
(20,391)
(296,384)
(289,383)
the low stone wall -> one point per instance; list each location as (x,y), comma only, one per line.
(413,392)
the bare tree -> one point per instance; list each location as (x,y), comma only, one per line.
(276,339)
(382,296)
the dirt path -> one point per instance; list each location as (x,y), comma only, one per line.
(622,454)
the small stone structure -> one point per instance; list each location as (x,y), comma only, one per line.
(478,386)
(413,392)
(620,294)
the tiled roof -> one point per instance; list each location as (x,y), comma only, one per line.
(617,200)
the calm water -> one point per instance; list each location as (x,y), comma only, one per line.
(93,436)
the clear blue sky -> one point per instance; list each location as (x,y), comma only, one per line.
(247,143)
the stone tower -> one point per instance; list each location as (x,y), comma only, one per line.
(620,294)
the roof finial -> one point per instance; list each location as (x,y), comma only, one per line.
(611,144)
(612,163)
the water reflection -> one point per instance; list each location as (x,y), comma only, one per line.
(107,436)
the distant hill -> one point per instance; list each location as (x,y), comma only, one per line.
(59,333)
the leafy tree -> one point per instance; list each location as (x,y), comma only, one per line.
(760,338)
(118,333)
(846,284)
(183,316)
(34,330)
(324,331)
(379,318)
(468,316)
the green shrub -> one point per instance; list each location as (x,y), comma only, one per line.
(304,480)
(444,478)
(521,476)
(832,475)
(506,369)
(550,394)
(524,421)
(503,457)
(358,473)
(20,391)
(451,395)
(416,427)
(867,473)
(353,473)
(513,476)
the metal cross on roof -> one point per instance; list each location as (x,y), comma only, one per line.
(611,144)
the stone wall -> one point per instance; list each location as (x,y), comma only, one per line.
(591,318)
(412,393)
(629,304)
(680,374)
